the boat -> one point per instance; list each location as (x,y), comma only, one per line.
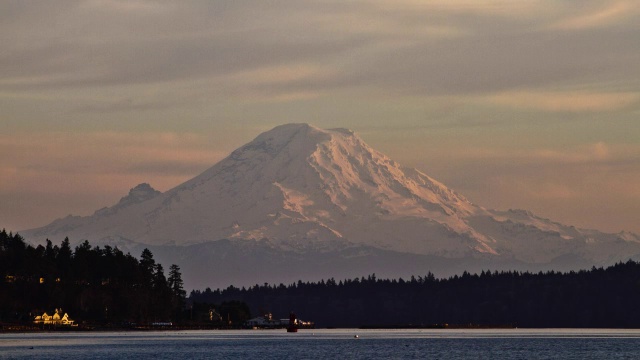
(293,323)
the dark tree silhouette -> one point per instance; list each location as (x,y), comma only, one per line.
(587,298)
(95,285)
(178,294)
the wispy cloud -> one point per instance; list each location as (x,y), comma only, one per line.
(597,15)
(590,186)
(565,101)
(598,152)
(407,47)
(484,74)
(103,155)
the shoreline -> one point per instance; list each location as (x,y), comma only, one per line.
(8,329)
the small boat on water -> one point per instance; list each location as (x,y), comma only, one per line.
(293,323)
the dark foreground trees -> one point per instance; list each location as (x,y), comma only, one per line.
(94,284)
(178,294)
(594,298)
(104,285)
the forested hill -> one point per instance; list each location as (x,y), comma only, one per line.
(96,285)
(594,298)
(105,285)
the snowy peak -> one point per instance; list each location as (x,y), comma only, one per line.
(297,187)
(298,184)
(304,158)
(287,136)
(138,194)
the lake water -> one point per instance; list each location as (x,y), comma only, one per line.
(327,344)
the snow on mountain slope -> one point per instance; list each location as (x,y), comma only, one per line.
(301,188)
(524,236)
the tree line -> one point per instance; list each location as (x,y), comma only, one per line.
(596,298)
(95,284)
(103,285)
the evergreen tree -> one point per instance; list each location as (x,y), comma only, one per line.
(94,285)
(63,259)
(175,282)
(148,268)
(178,294)
(159,280)
(161,299)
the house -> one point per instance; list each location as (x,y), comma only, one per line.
(264,322)
(56,319)
(214,316)
(268,322)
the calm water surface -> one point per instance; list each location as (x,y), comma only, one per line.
(322,344)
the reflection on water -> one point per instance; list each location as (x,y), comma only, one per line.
(323,343)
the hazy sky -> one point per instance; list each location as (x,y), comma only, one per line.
(514,104)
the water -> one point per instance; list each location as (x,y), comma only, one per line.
(323,344)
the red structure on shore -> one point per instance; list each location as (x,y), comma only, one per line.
(293,323)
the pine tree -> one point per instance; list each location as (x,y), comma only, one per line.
(63,259)
(175,282)
(148,268)
(178,294)
(159,280)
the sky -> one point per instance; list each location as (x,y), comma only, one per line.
(514,104)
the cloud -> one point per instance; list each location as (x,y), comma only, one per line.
(49,175)
(483,75)
(126,6)
(105,155)
(590,186)
(604,14)
(565,101)
(598,152)
(601,151)
(416,48)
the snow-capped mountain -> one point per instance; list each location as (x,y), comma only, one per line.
(302,191)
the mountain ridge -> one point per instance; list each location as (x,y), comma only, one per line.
(304,189)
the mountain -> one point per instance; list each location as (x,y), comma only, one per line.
(298,200)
